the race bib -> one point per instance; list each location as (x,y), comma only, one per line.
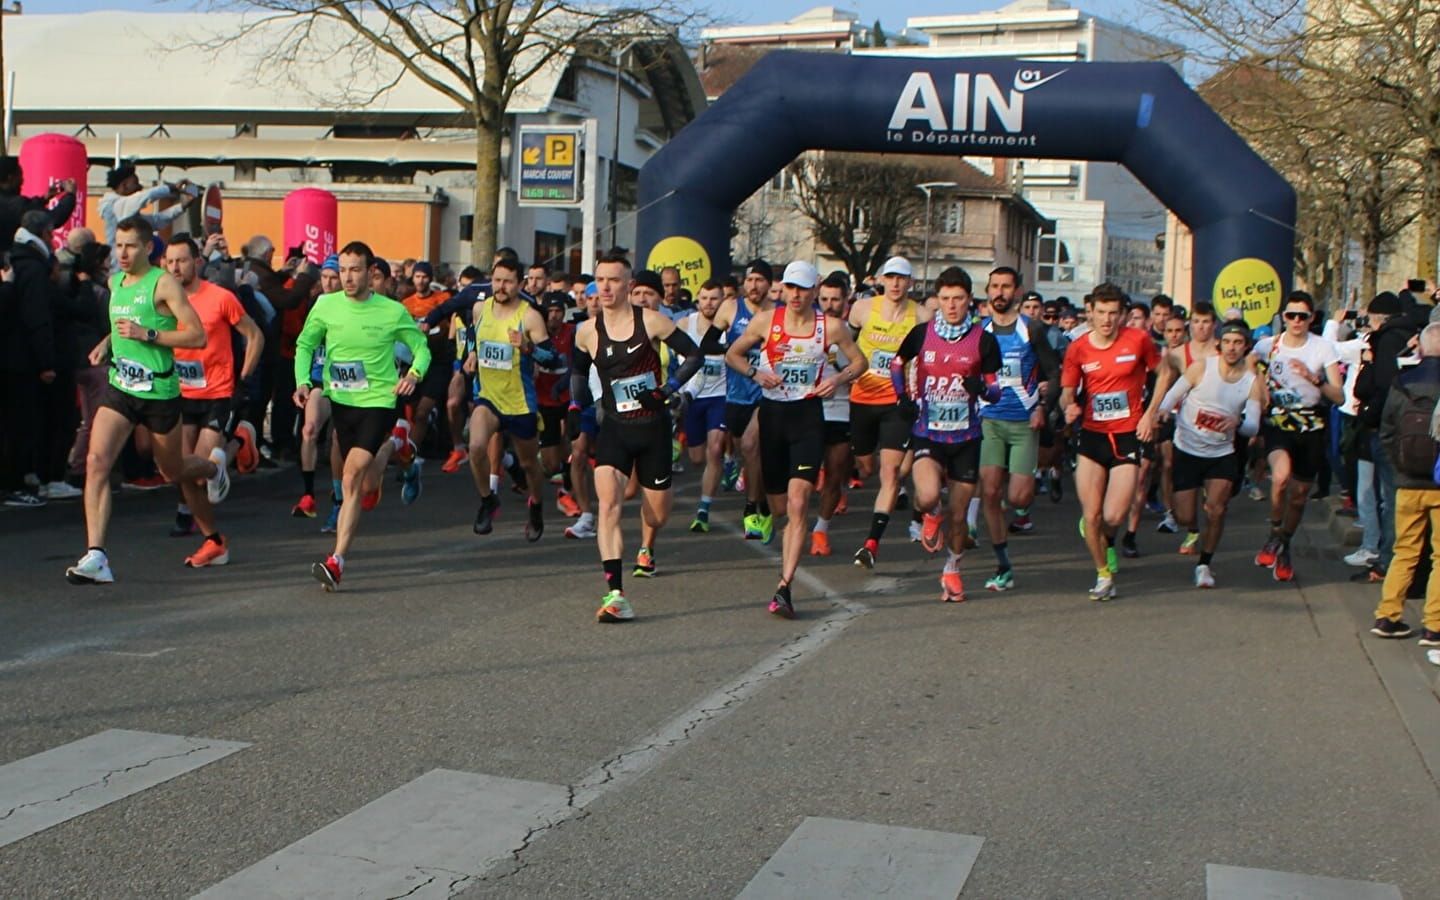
(714,367)
(628,391)
(1205,420)
(496,355)
(1009,374)
(1110,407)
(348,376)
(1286,398)
(796,372)
(191,372)
(880,362)
(133,376)
(947,415)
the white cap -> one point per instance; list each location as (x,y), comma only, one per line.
(896,265)
(800,274)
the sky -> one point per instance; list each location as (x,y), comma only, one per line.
(728,12)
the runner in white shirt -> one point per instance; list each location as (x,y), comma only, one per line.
(839,460)
(705,403)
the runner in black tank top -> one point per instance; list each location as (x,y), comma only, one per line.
(629,369)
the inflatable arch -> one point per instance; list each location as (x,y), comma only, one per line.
(1142,115)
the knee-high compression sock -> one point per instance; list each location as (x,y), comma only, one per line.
(878,521)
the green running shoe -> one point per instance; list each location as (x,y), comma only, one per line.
(1112,560)
(752,527)
(701,525)
(767,528)
(614,608)
(1001,581)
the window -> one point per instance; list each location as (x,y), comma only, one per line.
(950,217)
(1055,261)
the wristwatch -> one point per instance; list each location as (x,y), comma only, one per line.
(752,372)
(151,335)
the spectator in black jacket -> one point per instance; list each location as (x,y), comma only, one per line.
(90,303)
(13,206)
(1390,338)
(29,355)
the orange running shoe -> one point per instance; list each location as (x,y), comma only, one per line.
(567,504)
(401,432)
(247,455)
(952,590)
(819,543)
(211,553)
(930,533)
(843,506)
(371,499)
(305,509)
(454,461)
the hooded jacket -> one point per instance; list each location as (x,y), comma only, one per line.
(30,345)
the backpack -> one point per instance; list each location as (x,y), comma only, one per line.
(1417,451)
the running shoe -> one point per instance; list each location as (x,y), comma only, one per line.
(740,482)
(61,490)
(1154,506)
(211,553)
(412,487)
(584,527)
(1104,588)
(1168,525)
(535,524)
(327,573)
(1082,528)
(1191,545)
(145,483)
(405,454)
(25,498)
(855,483)
(1256,493)
(972,538)
(1266,557)
(567,505)
(1361,558)
(1022,525)
(644,564)
(819,543)
(930,537)
(729,472)
(92,568)
(1129,550)
(952,590)
(217,487)
(306,508)
(1373,574)
(1387,628)
(843,506)
(865,556)
(485,516)
(371,499)
(1284,569)
(701,525)
(614,608)
(454,461)
(1429,638)
(1054,487)
(780,604)
(247,454)
(752,527)
(332,521)
(767,528)
(1204,578)
(1001,581)
(519,481)
(916,531)
(1111,559)
(184,525)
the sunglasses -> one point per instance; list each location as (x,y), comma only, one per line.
(1297,315)
(1049,317)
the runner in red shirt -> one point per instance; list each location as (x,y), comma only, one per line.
(1108,365)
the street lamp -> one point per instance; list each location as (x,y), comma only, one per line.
(926,188)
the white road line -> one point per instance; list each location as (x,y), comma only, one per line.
(427,838)
(43,790)
(1236,883)
(835,859)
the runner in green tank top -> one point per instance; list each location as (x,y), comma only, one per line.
(149,318)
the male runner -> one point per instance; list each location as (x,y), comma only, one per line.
(623,343)
(954,366)
(507,340)
(582,426)
(207,388)
(1177,359)
(794,342)
(317,419)
(552,393)
(1300,369)
(839,459)
(705,406)
(1011,425)
(436,386)
(880,324)
(742,396)
(149,317)
(1110,363)
(1221,397)
(359,329)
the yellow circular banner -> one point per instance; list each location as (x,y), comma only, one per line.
(685,254)
(1250,285)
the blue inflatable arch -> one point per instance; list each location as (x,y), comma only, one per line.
(1143,115)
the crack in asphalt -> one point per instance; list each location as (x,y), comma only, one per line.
(102,782)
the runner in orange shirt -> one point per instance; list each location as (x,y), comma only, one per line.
(436,386)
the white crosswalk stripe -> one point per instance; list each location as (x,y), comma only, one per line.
(1236,883)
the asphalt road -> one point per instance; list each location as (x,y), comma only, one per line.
(1099,750)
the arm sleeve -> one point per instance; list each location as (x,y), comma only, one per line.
(456,304)
(1177,392)
(684,347)
(580,395)
(1250,425)
(713,344)
(909,349)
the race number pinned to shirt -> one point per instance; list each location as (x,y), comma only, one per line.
(191,372)
(796,372)
(714,366)
(947,415)
(348,376)
(133,376)
(496,355)
(1009,374)
(628,391)
(880,362)
(1110,407)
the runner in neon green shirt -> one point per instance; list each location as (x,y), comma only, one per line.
(359,329)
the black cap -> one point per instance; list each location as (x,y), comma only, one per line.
(1032,295)
(760,267)
(1234,326)
(118,175)
(650,279)
(383,266)
(1384,304)
(556,300)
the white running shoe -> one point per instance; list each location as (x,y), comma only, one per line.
(217,487)
(1168,525)
(584,527)
(93,568)
(61,490)
(1104,589)
(1361,558)
(1203,577)
(917,531)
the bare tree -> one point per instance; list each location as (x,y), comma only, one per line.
(476,54)
(860,206)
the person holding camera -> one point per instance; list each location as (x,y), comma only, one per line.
(125,199)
